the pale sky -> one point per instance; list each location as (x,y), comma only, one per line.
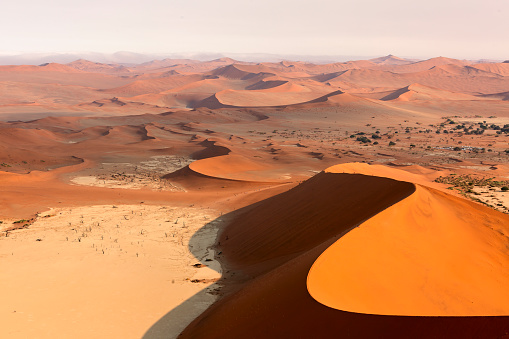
(427,28)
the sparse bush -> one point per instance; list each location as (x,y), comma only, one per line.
(364,140)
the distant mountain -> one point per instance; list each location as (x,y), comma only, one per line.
(97,67)
(131,58)
(391,60)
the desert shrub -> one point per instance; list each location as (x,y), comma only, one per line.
(363,139)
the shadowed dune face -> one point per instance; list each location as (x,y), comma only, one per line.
(277,241)
(322,208)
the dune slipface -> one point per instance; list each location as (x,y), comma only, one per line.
(430,254)
(277,242)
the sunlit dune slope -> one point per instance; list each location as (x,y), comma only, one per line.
(262,98)
(97,67)
(430,254)
(497,68)
(421,92)
(234,167)
(421,65)
(274,244)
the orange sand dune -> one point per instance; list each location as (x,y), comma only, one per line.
(466,70)
(49,67)
(38,93)
(295,94)
(421,92)
(183,65)
(430,254)
(372,78)
(273,245)
(234,167)
(241,72)
(72,77)
(422,65)
(97,67)
(497,68)
(462,82)
(209,86)
(169,99)
(269,84)
(156,85)
(157,64)
(390,60)
(313,69)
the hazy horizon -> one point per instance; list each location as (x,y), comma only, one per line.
(456,29)
(127,58)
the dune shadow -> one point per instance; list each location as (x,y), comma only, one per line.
(176,320)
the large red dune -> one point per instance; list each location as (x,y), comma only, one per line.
(433,269)
(431,254)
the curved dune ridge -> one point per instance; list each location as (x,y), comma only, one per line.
(420,92)
(260,98)
(431,254)
(288,244)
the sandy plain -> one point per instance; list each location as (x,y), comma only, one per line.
(107,271)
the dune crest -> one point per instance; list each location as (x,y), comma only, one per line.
(431,254)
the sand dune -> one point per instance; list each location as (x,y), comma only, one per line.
(496,68)
(390,60)
(259,243)
(420,92)
(234,167)
(242,72)
(424,65)
(97,67)
(289,95)
(451,262)
(82,86)
(49,67)
(18,93)
(156,85)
